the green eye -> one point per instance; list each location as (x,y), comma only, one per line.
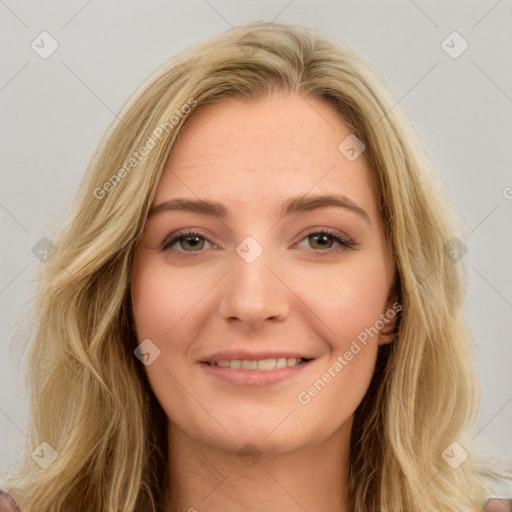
(185,237)
(324,235)
(195,241)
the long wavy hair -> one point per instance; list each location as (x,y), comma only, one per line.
(90,397)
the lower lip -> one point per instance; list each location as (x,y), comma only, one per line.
(254,378)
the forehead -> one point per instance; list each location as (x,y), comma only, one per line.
(263,151)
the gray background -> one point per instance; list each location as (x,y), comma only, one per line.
(54,111)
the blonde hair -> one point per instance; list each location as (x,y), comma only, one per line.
(90,398)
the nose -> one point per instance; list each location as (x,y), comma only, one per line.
(254,292)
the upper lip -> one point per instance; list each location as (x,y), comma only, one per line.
(256,356)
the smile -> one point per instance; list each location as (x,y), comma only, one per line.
(256,372)
(261,364)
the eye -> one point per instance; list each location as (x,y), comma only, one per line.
(326,240)
(192,239)
(195,241)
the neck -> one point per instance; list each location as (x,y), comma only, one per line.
(204,478)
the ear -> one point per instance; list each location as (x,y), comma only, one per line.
(390,320)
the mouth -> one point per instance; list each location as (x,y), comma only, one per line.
(256,373)
(273,363)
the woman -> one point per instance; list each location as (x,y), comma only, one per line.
(332,377)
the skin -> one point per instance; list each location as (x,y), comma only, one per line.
(192,300)
(498,505)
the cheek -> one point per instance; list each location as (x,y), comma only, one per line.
(337,387)
(164,301)
(161,299)
(345,300)
(345,304)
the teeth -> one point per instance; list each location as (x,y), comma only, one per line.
(262,364)
(267,364)
(281,362)
(249,365)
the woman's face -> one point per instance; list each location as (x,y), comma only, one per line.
(258,284)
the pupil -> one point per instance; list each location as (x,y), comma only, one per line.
(194,244)
(321,237)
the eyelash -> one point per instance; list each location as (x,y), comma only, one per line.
(344,242)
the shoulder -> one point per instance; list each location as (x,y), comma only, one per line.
(497,504)
(7,503)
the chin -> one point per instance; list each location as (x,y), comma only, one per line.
(256,442)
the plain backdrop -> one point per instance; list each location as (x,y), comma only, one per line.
(55,109)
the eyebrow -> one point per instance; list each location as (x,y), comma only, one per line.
(297,204)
